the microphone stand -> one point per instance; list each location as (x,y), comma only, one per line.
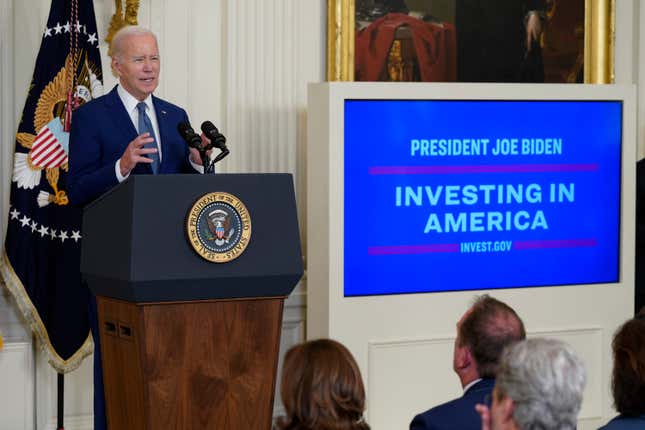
(209,167)
(205,161)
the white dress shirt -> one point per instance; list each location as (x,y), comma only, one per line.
(471,384)
(130,103)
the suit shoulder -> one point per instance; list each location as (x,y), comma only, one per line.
(455,414)
(93,105)
(166,105)
(622,422)
(446,409)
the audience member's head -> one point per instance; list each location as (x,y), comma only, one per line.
(539,386)
(482,334)
(322,388)
(628,380)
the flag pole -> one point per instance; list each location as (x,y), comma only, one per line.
(61,401)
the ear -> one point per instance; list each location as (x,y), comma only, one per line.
(463,357)
(115,66)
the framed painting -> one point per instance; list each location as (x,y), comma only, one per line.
(564,41)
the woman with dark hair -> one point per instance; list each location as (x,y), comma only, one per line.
(628,379)
(321,388)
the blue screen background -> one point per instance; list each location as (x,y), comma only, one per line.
(378,134)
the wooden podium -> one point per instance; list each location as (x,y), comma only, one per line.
(188,343)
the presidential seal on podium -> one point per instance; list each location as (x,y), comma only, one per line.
(219,227)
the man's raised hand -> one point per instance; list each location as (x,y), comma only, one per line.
(136,153)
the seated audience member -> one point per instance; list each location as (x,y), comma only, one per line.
(628,380)
(539,386)
(322,388)
(482,334)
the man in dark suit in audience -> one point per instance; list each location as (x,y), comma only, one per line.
(482,334)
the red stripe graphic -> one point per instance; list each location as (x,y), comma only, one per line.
(413,249)
(499,168)
(543,244)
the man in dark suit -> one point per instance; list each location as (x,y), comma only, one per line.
(482,333)
(127,131)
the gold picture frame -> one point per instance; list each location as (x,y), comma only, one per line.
(598,40)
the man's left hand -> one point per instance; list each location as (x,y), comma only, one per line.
(195,157)
(484,413)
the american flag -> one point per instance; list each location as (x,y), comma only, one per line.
(47,151)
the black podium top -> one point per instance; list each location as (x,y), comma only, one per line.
(135,246)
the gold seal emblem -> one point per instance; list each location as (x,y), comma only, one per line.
(219,227)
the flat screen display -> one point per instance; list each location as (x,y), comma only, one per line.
(450,195)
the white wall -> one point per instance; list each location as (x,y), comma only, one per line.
(629,61)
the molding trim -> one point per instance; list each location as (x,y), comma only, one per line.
(79,422)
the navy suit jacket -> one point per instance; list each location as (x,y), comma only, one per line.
(102,129)
(458,414)
(622,422)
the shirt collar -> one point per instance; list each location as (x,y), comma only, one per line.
(130,102)
(467,387)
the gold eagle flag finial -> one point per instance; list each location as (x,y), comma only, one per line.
(121,19)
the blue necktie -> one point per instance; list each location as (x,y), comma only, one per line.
(145,126)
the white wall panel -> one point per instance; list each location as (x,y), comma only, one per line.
(79,395)
(17,389)
(422,365)
(7,110)
(626,42)
(629,62)
(273,50)
(16,358)
(12,325)
(293,332)
(415,366)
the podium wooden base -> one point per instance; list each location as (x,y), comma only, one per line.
(190,365)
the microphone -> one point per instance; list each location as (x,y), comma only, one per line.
(217,139)
(188,134)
